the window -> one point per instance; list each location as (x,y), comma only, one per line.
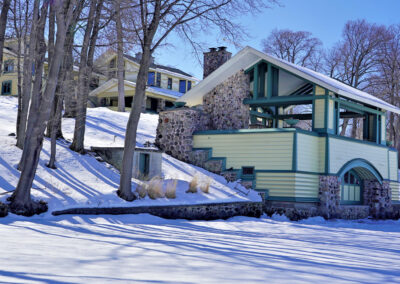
(8,66)
(144,164)
(169,83)
(6,87)
(189,85)
(150,79)
(158,82)
(113,63)
(248,171)
(182,86)
(351,189)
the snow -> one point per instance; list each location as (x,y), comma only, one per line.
(148,249)
(82,181)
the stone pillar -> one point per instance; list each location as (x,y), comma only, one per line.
(214,59)
(175,129)
(224,103)
(329,196)
(379,199)
(160,105)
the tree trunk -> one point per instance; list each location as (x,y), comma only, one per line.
(120,57)
(27,78)
(3,25)
(21,202)
(354,128)
(85,70)
(125,187)
(344,127)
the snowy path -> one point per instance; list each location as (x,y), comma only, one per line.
(147,249)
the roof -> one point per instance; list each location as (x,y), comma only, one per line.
(155,90)
(249,56)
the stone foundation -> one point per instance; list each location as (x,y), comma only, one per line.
(293,210)
(329,196)
(210,211)
(379,199)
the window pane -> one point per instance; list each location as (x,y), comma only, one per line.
(150,79)
(182,86)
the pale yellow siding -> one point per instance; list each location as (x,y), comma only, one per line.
(310,153)
(266,151)
(383,128)
(343,151)
(395,186)
(319,113)
(288,184)
(319,91)
(331,109)
(393,165)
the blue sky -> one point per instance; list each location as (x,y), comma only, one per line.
(323,18)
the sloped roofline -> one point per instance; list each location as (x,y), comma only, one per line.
(249,56)
(114,82)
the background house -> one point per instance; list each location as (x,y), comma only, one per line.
(165,84)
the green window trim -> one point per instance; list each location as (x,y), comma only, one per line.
(144,164)
(351,190)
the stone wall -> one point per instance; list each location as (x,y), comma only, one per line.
(329,196)
(224,104)
(379,199)
(175,131)
(212,211)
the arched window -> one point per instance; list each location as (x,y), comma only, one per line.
(351,191)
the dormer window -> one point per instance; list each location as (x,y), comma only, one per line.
(150,78)
(169,84)
(182,86)
(158,82)
(8,66)
(113,63)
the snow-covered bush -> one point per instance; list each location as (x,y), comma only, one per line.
(170,191)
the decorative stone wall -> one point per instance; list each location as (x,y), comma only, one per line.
(329,196)
(210,211)
(293,210)
(379,198)
(160,105)
(224,103)
(214,59)
(175,130)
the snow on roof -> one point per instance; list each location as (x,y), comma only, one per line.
(152,89)
(249,56)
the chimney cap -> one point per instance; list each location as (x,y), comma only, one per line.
(213,49)
(221,48)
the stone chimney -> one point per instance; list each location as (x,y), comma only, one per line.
(214,59)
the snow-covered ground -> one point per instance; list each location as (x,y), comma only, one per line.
(147,249)
(82,181)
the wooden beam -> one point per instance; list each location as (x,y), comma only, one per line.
(281,101)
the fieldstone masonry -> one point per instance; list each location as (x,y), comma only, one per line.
(214,59)
(175,130)
(379,199)
(329,196)
(224,104)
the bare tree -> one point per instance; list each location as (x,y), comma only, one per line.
(3,25)
(156,20)
(299,47)
(385,83)
(27,77)
(120,57)
(63,87)
(85,72)
(358,58)
(21,202)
